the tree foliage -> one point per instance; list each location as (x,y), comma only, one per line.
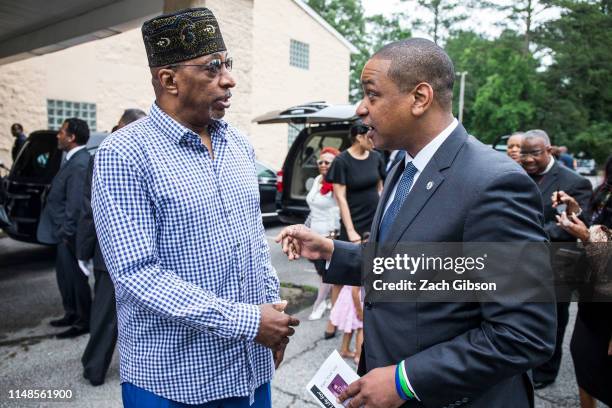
(443,16)
(563,88)
(502,87)
(366,33)
(578,80)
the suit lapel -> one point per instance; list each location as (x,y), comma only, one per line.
(426,185)
(69,163)
(416,200)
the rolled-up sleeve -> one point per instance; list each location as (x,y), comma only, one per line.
(124,216)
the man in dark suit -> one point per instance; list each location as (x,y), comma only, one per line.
(20,139)
(551,177)
(450,188)
(103,325)
(58,225)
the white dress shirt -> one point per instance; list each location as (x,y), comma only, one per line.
(73,151)
(423,157)
(549,166)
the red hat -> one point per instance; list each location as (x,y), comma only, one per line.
(330,150)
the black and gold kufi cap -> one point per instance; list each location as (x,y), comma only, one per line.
(181,36)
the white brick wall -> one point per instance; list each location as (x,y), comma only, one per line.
(22,100)
(113,73)
(236,22)
(277,85)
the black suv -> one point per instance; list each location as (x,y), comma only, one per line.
(23,192)
(324,125)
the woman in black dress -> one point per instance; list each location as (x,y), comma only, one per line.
(357,175)
(591,344)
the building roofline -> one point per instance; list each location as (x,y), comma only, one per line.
(326,25)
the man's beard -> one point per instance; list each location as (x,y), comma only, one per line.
(215,114)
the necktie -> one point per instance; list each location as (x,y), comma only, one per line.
(403,188)
(64,161)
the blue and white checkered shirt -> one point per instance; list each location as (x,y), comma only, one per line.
(184,243)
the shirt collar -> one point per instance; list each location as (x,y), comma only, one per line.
(177,132)
(74,151)
(549,166)
(424,156)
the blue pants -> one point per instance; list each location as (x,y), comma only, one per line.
(136,397)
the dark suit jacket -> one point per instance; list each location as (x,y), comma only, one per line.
(61,213)
(561,178)
(88,246)
(461,354)
(19,142)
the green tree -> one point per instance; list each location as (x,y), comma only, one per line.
(503,87)
(346,16)
(366,33)
(596,140)
(521,15)
(444,16)
(578,108)
(382,30)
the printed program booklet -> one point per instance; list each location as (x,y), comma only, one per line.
(332,378)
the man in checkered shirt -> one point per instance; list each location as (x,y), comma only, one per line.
(176,208)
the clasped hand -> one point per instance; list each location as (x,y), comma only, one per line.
(275,328)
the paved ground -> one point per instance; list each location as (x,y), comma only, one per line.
(30,358)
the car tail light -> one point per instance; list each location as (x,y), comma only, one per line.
(279,181)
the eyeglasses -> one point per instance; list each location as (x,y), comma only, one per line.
(534,154)
(214,66)
(322,162)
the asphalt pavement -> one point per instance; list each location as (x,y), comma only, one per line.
(31,358)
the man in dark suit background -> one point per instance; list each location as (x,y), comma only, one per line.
(450,188)
(551,177)
(103,323)
(58,225)
(20,139)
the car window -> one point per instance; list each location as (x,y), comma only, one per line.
(501,144)
(305,165)
(263,171)
(38,161)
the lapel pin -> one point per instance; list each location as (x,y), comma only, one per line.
(429,185)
